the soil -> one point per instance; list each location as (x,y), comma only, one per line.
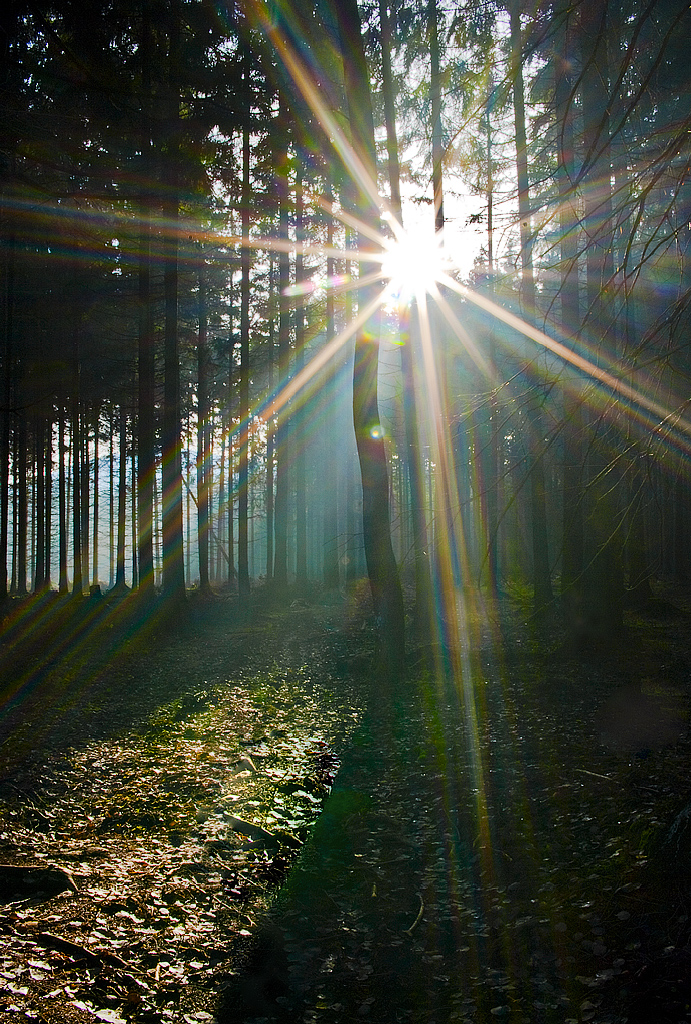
(231,818)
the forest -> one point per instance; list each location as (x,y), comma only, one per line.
(344,370)
(177,405)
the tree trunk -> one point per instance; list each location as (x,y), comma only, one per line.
(122,507)
(330,567)
(270,439)
(572,470)
(63,584)
(282,444)
(542,584)
(203,453)
(231,494)
(85,482)
(173,566)
(385,585)
(5,418)
(48,493)
(423,583)
(133,514)
(146,463)
(39,504)
(300,482)
(243,455)
(490,451)
(173,548)
(94,547)
(435,103)
(111,499)
(76,439)
(603,576)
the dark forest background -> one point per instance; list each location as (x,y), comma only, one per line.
(160,170)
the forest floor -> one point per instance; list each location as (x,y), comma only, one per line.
(229,818)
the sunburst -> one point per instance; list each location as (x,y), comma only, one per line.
(414,262)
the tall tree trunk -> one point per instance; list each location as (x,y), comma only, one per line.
(173,565)
(416,483)
(15,511)
(330,568)
(111,500)
(542,584)
(22,504)
(173,548)
(48,493)
(203,454)
(146,396)
(94,547)
(85,498)
(572,470)
(244,408)
(39,502)
(63,584)
(603,577)
(157,530)
(300,335)
(222,499)
(282,441)
(435,103)
(5,417)
(270,438)
(76,446)
(122,498)
(231,494)
(385,585)
(133,515)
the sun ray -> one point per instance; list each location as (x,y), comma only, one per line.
(660,413)
(290,389)
(305,83)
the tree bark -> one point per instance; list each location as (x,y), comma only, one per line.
(603,575)
(282,447)
(572,469)
(299,415)
(5,420)
(94,534)
(423,582)
(77,577)
(270,426)
(385,585)
(542,584)
(243,454)
(63,585)
(39,503)
(146,464)
(435,103)
(122,497)
(173,555)
(330,567)
(203,447)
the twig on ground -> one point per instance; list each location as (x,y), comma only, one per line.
(584,771)
(77,952)
(416,922)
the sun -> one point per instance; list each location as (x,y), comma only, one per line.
(413,263)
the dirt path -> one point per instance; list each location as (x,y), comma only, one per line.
(175,778)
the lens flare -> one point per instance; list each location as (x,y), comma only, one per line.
(413,262)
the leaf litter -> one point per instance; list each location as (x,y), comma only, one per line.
(174,834)
(460,870)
